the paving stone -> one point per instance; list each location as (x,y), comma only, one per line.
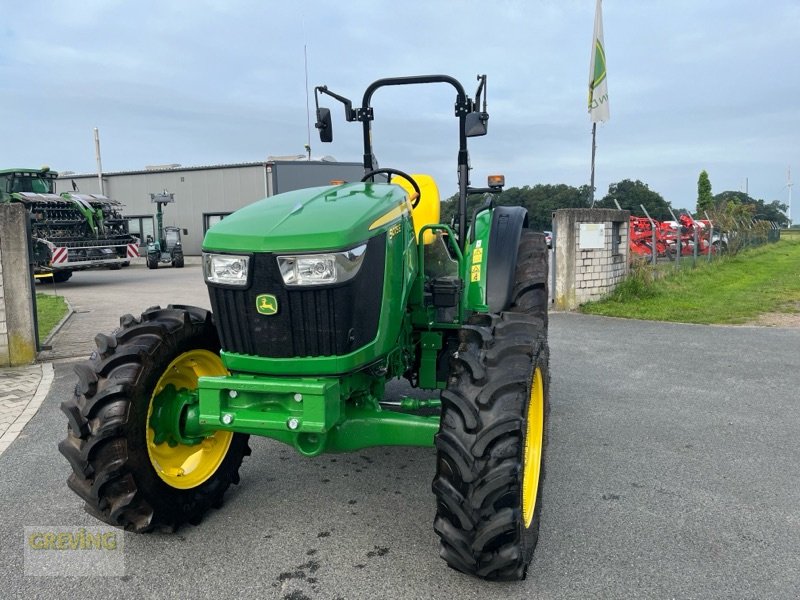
(22,390)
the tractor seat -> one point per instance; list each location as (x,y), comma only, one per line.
(427,211)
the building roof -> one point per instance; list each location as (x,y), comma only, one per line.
(179,168)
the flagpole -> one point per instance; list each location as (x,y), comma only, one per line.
(598,86)
(594,149)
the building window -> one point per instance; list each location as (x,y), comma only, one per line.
(141,226)
(211,219)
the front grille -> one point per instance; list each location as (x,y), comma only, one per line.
(325,321)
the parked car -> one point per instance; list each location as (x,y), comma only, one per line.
(548,236)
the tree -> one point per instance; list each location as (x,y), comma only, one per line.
(632,194)
(733,196)
(705,201)
(731,216)
(759,209)
(540,200)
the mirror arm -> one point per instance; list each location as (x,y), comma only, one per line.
(349,113)
(481,88)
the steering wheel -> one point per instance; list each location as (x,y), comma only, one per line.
(390,172)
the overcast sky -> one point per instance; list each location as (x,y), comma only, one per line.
(711,84)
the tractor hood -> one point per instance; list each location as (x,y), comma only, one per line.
(322,218)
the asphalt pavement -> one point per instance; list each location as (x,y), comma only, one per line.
(99,298)
(672,472)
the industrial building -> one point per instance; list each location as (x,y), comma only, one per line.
(204,195)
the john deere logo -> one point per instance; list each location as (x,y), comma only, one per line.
(266,304)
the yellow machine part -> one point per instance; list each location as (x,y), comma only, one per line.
(534,436)
(181,466)
(427,211)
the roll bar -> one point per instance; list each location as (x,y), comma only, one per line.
(471,122)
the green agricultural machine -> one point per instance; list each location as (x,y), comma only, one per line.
(321,297)
(69,231)
(166,248)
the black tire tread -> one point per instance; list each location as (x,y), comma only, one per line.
(480,443)
(105,445)
(530,279)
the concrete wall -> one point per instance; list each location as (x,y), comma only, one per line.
(17,333)
(584,271)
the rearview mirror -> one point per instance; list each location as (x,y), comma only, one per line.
(476,124)
(324,125)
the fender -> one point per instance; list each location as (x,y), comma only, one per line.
(507,225)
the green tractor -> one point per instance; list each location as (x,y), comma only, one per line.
(167,248)
(321,297)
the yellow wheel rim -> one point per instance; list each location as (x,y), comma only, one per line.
(183,466)
(532,459)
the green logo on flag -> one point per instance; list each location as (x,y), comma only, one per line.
(599,64)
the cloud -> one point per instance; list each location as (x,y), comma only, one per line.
(692,85)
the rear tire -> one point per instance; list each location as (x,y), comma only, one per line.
(152,262)
(530,279)
(493,433)
(109,440)
(177,262)
(58,277)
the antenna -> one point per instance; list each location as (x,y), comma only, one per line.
(308,105)
(789,185)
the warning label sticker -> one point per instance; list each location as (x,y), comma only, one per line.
(475,273)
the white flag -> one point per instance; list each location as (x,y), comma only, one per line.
(598,84)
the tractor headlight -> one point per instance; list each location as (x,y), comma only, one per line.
(321,269)
(226,269)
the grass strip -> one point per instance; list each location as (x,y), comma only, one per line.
(731,290)
(50,310)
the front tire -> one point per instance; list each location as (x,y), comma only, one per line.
(492,438)
(123,476)
(490,466)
